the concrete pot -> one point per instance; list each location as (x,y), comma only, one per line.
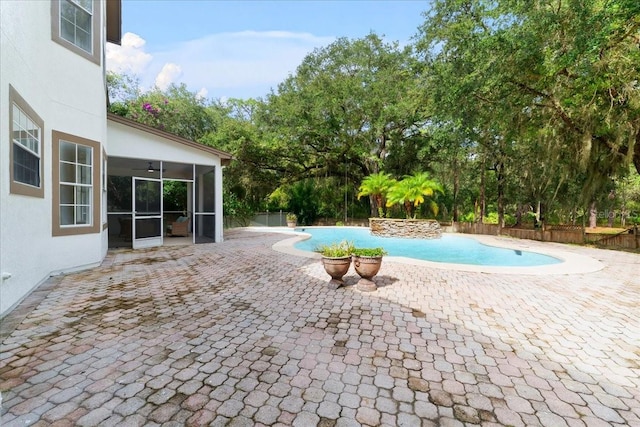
(336,268)
(367,267)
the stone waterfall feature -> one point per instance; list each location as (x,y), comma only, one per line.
(407,228)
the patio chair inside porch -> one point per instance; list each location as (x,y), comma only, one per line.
(179,227)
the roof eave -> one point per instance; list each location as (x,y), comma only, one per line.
(225,158)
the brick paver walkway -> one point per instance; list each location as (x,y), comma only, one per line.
(239,334)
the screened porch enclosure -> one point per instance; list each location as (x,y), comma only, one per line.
(205,205)
(152,203)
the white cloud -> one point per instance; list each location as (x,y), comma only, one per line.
(202,93)
(226,65)
(129,57)
(170,73)
(237,60)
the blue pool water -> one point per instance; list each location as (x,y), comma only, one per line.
(450,249)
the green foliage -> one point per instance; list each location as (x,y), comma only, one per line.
(175,196)
(303,201)
(344,109)
(119,108)
(292,217)
(122,88)
(236,210)
(336,249)
(547,89)
(370,252)
(175,110)
(492,218)
(331,192)
(468,217)
(507,104)
(412,191)
(278,199)
(376,185)
(254,170)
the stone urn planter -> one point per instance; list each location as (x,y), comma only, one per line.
(336,259)
(367,262)
(292,220)
(336,267)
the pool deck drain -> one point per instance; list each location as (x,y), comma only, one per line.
(239,334)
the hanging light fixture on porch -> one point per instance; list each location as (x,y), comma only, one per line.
(150,169)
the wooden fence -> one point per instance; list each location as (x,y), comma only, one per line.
(558,234)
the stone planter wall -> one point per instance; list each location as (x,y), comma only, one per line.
(408,228)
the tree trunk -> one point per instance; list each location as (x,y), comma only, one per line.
(593,215)
(407,208)
(636,152)
(518,216)
(456,185)
(611,211)
(501,178)
(374,206)
(482,191)
(380,205)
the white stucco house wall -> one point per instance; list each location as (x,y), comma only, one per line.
(59,148)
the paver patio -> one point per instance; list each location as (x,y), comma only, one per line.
(239,334)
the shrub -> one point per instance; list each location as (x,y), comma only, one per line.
(336,250)
(492,218)
(303,201)
(369,252)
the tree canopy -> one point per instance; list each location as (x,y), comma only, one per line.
(517,107)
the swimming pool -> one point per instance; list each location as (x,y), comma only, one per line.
(448,249)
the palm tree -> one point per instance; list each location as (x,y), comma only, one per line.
(376,186)
(412,191)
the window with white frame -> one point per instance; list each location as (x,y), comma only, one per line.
(75,24)
(76,184)
(25,129)
(26,149)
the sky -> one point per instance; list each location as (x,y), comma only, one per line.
(242,48)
